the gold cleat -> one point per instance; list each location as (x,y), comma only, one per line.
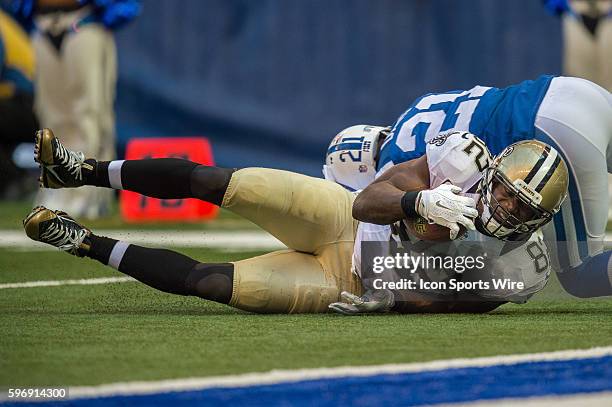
(60,167)
(58,229)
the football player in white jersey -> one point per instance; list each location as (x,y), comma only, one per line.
(515,197)
(571,114)
(311,216)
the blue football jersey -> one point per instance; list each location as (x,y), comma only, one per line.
(497,116)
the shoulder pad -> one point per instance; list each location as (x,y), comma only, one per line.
(458,157)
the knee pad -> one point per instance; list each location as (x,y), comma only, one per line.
(210,183)
(211,281)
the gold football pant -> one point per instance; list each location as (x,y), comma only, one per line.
(312,217)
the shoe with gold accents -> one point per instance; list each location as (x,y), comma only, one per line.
(58,229)
(60,167)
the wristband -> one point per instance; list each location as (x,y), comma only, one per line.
(409,204)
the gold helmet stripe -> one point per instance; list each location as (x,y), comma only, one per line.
(549,174)
(538,165)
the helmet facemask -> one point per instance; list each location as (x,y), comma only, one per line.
(499,222)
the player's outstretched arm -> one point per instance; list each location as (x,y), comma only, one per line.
(383,301)
(381,201)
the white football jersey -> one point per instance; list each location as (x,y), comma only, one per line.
(510,263)
(451,158)
(459,158)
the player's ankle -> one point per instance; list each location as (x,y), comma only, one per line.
(100,248)
(89,171)
(98,174)
(84,247)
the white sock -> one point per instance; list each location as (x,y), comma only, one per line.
(117,254)
(114,174)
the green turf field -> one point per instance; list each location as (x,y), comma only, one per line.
(76,335)
(79,335)
(14,212)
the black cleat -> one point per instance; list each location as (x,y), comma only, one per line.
(60,167)
(58,229)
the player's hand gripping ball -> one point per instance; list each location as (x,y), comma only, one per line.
(446,207)
(430,232)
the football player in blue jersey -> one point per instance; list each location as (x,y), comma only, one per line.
(571,114)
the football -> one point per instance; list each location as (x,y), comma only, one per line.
(430,232)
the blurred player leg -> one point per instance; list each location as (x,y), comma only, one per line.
(588,54)
(75,93)
(50,100)
(91,56)
(576,118)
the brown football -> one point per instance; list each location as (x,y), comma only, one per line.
(430,232)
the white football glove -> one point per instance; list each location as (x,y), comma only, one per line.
(444,206)
(371,301)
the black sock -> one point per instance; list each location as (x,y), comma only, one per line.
(159,268)
(165,270)
(100,248)
(99,176)
(164,178)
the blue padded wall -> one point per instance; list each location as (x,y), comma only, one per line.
(271,81)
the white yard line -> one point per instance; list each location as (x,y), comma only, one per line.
(224,240)
(288,376)
(54,283)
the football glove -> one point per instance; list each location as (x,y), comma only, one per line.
(371,301)
(444,206)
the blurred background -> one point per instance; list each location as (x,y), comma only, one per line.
(270,82)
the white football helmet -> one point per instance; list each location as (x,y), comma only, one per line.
(352,154)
